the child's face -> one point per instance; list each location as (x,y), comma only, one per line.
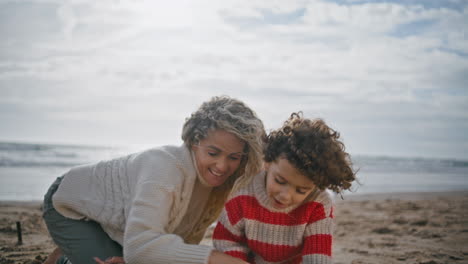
(285,185)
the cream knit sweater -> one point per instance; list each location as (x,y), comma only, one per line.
(139,200)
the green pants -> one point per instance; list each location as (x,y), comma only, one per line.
(79,240)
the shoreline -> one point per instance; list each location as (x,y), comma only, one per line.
(404,227)
(419,195)
(347,196)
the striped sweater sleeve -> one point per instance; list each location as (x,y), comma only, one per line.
(318,234)
(228,236)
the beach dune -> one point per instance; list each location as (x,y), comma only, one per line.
(425,228)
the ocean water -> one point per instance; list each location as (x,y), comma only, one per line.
(27,170)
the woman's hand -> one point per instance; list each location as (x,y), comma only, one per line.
(111,260)
(218,257)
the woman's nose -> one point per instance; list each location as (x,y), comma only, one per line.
(222,165)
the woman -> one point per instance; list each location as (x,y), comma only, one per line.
(155,206)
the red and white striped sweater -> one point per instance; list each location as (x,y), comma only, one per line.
(251,230)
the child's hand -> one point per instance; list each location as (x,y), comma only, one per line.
(217,257)
(111,260)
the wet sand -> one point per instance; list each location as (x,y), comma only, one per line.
(425,228)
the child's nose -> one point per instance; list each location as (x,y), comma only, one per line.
(285,194)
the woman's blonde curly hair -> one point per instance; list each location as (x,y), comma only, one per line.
(314,149)
(231,115)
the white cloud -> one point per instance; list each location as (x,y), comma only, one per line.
(370,65)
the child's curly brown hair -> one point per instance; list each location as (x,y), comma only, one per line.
(314,149)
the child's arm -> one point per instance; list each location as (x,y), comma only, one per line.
(228,236)
(318,235)
(217,257)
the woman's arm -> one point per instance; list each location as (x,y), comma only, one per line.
(216,257)
(146,238)
(161,179)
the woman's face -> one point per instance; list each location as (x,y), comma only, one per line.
(218,156)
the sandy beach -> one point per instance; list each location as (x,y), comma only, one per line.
(425,228)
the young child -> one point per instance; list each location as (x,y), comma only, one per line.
(285,215)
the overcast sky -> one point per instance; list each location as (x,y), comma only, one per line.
(391,76)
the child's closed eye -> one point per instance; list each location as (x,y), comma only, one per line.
(279,181)
(301,191)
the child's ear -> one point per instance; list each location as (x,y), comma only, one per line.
(266,166)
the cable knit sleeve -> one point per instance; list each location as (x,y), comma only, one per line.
(228,236)
(163,185)
(146,239)
(318,233)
